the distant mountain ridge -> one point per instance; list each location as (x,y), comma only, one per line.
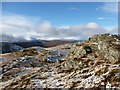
(7,47)
(43,43)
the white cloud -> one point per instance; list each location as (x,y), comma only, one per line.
(92,25)
(109,28)
(74,8)
(13,23)
(45,28)
(111,7)
(81,31)
(23,28)
(101,18)
(7,37)
(105,18)
(114,31)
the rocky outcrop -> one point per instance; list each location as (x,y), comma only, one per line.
(93,63)
(34,57)
(32,51)
(106,47)
(99,58)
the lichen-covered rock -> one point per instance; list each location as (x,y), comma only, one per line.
(108,46)
(105,46)
(110,51)
(32,51)
(104,37)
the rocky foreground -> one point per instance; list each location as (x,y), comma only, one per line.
(94,63)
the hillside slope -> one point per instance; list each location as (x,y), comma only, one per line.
(9,47)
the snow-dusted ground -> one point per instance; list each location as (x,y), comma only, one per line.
(77,69)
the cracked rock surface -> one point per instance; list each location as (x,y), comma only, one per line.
(94,63)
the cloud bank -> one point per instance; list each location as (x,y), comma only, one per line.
(109,7)
(19,27)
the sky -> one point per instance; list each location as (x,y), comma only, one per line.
(57,20)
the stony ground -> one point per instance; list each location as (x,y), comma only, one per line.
(94,63)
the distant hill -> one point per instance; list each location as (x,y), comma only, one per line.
(57,42)
(42,43)
(7,47)
(27,44)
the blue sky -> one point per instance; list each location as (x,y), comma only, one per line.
(60,13)
(59,16)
